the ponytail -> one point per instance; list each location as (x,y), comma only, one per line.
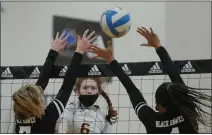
(190,101)
(112,114)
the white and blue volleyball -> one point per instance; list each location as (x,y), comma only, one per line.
(115,22)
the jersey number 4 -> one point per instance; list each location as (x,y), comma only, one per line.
(85,128)
(25,129)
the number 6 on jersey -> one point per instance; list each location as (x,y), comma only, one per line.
(85,128)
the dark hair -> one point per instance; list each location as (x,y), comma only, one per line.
(188,100)
(111,116)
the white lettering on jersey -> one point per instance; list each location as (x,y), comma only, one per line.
(27,121)
(162,123)
(176,120)
(168,123)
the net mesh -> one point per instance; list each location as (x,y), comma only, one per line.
(128,122)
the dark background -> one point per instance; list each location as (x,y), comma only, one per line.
(77,27)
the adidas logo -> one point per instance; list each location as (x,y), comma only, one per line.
(187,68)
(63,71)
(155,69)
(94,71)
(7,73)
(35,73)
(126,69)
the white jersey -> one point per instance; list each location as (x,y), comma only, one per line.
(78,119)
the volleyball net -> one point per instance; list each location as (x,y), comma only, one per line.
(147,76)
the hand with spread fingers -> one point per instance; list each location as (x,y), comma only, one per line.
(106,54)
(59,43)
(151,37)
(84,42)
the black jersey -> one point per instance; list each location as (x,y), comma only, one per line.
(47,70)
(154,122)
(52,112)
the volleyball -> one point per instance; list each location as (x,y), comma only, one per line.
(115,22)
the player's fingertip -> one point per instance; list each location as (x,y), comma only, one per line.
(78,37)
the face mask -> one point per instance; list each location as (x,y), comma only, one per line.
(88,100)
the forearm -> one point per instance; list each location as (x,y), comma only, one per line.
(57,106)
(135,95)
(70,78)
(169,65)
(47,69)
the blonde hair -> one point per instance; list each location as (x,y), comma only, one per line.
(28,102)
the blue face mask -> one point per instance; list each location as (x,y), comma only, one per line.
(88,100)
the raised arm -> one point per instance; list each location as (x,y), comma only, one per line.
(57,47)
(107,54)
(134,93)
(168,64)
(145,113)
(56,107)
